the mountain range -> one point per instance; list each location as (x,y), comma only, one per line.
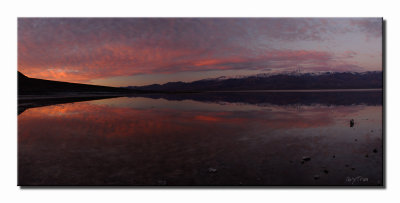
(294,81)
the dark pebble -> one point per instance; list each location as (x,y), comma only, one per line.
(302,162)
(353,169)
(333,156)
(316,177)
(306,158)
(375,150)
(366,155)
(326,171)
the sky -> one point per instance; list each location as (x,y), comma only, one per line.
(143,51)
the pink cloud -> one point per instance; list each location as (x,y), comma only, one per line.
(80,50)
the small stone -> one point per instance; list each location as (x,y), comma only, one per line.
(353,169)
(306,158)
(366,155)
(326,171)
(375,151)
(212,170)
(316,177)
(333,156)
(302,162)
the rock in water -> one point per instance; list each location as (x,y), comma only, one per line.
(306,158)
(351,123)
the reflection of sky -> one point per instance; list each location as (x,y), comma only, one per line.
(144,115)
(121,52)
(140,141)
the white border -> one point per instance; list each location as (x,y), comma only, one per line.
(205,8)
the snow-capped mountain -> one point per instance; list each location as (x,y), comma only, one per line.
(280,81)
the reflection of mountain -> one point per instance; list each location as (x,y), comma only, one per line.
(346,80)
(371,98)
(31,103)
(280,98)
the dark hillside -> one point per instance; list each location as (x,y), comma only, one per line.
(32,86)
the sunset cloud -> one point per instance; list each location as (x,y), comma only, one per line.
(86,49)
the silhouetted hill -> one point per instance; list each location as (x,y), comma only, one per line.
(32,86)
(328,80)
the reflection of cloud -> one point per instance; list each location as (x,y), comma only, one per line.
(103,120)
(86,49)
(87,144)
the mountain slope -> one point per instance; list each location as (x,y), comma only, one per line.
(32,86)
(345,80)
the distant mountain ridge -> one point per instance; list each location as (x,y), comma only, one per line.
(291,81)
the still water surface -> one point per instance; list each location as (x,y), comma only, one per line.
(220,139)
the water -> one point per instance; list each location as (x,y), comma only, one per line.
(205,139)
